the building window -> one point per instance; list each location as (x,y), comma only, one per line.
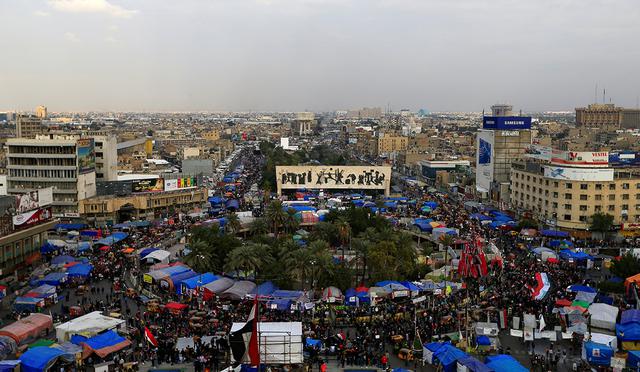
(567,196)
(555,184)
(546,183)
(567,207)
(637,185)
(611,208)
(567,217)
(598,186)
(625,207)
(612,197)
(625,196)
(555,195)
(583,186)
(598,197)
(555,205)
(583,197)
(625,218)
(598,208)
(625,186)
(568,185)
(612,186)
(583,218)
(583,208)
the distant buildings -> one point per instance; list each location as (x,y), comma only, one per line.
(304,124)
(41,112)
(28,126)
(365,113)
(599,115)
(502,139)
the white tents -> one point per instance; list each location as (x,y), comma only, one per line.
(600,338)
(279,343)
(160,255)
(603,316)
(87,325)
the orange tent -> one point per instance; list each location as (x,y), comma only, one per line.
(630,280)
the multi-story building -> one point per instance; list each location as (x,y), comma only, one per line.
(304,124)
(599,115)
(106,147)
(66,163)
(28,126)
(387,144)
(503,139)
(567,197)
(41,112)
(106,210)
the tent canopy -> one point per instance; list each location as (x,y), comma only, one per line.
(597,354)
(473,364)
(504,363)
(220,285)
(554,233)
(61,260)
(158,255)
(197,281)
(264,289)
(39,359)
(105,344)
(80,270)
(238,290)
(27,328)
(603,316)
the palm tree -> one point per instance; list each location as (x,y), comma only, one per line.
(233,224)
(249,258)
(299,262)
(275,215)
(259,226)
(201,258)
(447,241)
(291,223)
(344,233)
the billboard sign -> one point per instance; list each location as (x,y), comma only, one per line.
(333,177)
(538,152)
(86,152)
(179,183)
(150,185)
(484,161)
(624,159)
(34,199)
(506,122)
(580,158)
(32,217)
(578,174)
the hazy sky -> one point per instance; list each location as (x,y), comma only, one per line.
(442,55)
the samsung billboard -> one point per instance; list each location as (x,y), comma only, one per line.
(506,122)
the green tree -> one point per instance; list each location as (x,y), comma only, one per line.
(527,223)
(325,231)
(275,216)
(233,224)
(601,222)
(259,226)
(291,222)
(249,258)
(201,258)
(627,266)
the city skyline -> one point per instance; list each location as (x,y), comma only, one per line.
(317,55)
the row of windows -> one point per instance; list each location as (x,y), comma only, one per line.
(582,217)
(43,162)
(42,149)
(569,185)
(569,196)
(43,173)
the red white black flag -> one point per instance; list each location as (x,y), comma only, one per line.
(244,341)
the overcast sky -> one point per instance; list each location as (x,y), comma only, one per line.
(293,55)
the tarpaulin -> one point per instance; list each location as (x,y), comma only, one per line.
(196,281)
(504,363)
(104,344)
(448,355)
(28,328)
(80,270)
(597,354)
(39,359)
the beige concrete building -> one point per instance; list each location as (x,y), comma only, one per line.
(41,112)
(103,210)
(391,143)
(597,115)
(28,126)
(567,197)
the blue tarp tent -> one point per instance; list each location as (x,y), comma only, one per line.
(48,248)
(598,354)
(410,286)
(196,281)
(300,208)
(633,359)
(554,233)
(423,226)
(232,204)
(112,239)
(83,246)
(483,340)
(313,342)
(70,226)
(568,254)
(216,200)
(146,252)
(106,343)
(629,316)
(39,358)
(582,288)
(504,363)
(80,270)
(447,356)
(428,349)
(54,279)
(628,331)
(289,295)
(473,364)
(264,289)
(62,260)
(430,204)
(480,217)
(178,278)
(8,365)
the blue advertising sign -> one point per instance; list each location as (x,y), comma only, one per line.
(624,159)
(484,152)
(506,122)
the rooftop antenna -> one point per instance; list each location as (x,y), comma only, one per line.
(604,95)
(595,94)
(638,102)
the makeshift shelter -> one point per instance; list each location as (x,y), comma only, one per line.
(104,344)
(631,280)
(175,307)
(238,290)
(633,360)
(571,256)
(197,281)
(504,363)
(283,340)
(164,272)
(447,356)
(280,304)
(145,252)
(88,325)
(630,316)
(428,349)
(159,255)
(8,347)
(173,281)
(61,260)
(289,295)
(28,329)
(53,279)
(470,364)
(601,338)
(597,354)
(217,286)
(112,239)
(554,233)
(9,365)
(39,359)
(263,290)
(332,294)
(603,316)
(81,271)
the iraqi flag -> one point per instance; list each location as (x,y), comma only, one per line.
(543,284)
(149,337)
(244,341)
